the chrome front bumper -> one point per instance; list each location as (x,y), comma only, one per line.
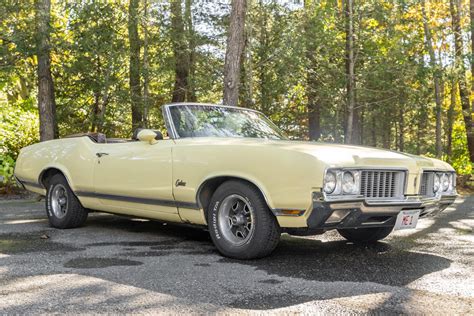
(360,213)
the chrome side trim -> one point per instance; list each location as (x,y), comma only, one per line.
(29,183)
(132,199)
(18,182)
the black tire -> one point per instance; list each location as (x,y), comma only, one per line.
(365,235)
(72,214)
(265,232)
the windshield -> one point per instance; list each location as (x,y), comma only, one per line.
(221,121)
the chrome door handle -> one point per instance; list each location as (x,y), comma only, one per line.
(101,154)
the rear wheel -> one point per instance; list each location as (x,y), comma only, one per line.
(62,206)
(365,235)
(240,223)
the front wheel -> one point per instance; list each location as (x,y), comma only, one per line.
(365,235)
(240,223)
(62,206)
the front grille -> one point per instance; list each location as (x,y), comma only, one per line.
(427,183)
(380,184)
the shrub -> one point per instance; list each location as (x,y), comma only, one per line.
(7,166)
(19,127)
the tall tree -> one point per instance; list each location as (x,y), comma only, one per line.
(46,100)
(455,7)
(351,129)
(191,95)
(436,76)
(471,14)
(450,121)
(146,66)
(180,51)
(313,85)
(134,70)
(235,47)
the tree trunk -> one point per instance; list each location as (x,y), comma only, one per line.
(373,131)
(134,72)
(246,68)
(436,77)
(401,132)
(191,95)
(313,85)
(180,50)
(450,122)
(470,135)
(351,128)
(235,46)
(101,98)
(46,101)
(455,7)
(264,80)
(386,133)
(471,14)
(314,109)
(146,67)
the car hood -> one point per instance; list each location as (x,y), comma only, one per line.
(331,155)
(338,155)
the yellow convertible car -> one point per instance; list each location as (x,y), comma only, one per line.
(233,170)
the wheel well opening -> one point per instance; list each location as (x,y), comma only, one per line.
(47,174)
(208,188)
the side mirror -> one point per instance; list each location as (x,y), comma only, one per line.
(147,135)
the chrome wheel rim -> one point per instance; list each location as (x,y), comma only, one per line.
(235,219)
(59,201)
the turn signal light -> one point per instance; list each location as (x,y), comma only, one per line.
(292,212)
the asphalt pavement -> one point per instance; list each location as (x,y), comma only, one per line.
(121,265)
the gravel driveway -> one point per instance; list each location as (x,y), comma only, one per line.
(122,265)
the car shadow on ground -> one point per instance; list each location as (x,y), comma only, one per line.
(334,261)
(295,262)
(300,259)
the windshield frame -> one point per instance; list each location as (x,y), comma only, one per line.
(173,134)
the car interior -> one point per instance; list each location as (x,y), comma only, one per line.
(100,138)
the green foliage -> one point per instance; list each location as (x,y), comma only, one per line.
(287,43)
(7,167)
(460,157)
(19,127)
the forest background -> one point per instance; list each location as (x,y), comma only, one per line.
(391,74)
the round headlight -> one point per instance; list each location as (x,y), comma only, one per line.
(445,182)
(436,183)
(329,182)
(348,182)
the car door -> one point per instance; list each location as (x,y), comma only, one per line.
(135,178)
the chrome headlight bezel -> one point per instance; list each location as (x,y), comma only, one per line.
(444,182)
(348,183)
(330,182)
(339,189)
(441,182)
(436,183)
